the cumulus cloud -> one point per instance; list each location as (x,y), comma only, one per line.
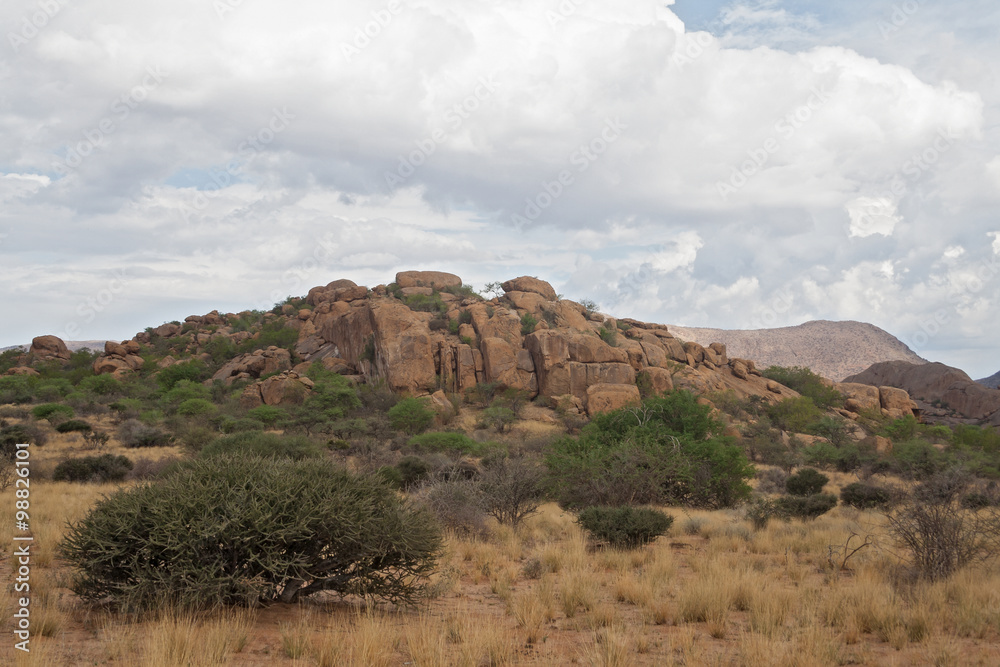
(228,155)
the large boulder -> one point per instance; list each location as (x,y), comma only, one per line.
(895,402)
(45,348)
(660,380)
(288,388)
(859,396)
(608,397)
(530,284)
(255,364)
(403,352)
(434,279)
(502,364)
(932,383)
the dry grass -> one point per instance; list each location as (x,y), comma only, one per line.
(713,592)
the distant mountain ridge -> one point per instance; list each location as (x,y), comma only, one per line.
(993,381)
(832,349)
(71,345)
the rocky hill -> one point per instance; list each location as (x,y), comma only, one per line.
(993,381)
(831,349)
(944,388)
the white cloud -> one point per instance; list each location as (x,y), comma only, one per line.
(495,101)
(872,215)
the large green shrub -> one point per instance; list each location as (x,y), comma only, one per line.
(236,530)
(133,433)
(267,445)
(17,388)
(193,407)
(268,414)
(668,450)
(796,415)
(411,415)
(625,527)
(807,383)
(865,496)
(103,468)
(101,385)
(805,507)
(54,412)
(71,425)
(193,371)
(447,441)
(806,482)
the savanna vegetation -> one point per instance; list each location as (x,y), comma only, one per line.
(175,526)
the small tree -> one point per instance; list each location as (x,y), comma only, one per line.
(940,534)
(511,488)
(625,527)
(411,415)
(235,530)
(806,482)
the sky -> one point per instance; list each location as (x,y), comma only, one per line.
(739,164)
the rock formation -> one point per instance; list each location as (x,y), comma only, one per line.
(936,384)
(47,348)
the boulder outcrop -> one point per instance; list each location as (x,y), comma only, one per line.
(935,383)
(47,348)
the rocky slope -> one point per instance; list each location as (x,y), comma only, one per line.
(831,349)
(427,335)
(943,387)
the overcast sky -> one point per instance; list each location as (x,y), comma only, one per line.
(722,164)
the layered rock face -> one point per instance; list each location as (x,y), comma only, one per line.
(936,383)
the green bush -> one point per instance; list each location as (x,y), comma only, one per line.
(806,482)
(237,530)
(133,433)
(528,323)
(412,470)
(99,469)
(71,425)
(265,445)
(274,333)
(447,441)
(53,389)
(196,406)
(268,414)
(609,336)
(230,425)
(17,389)
(426,304)
(625,527)
(901,429)
(498,417)
(805,507)
(411,415)
(669,450)
(794,414)
(919,459)
(53,412)
(16,434)
(194,371)
(331,399)
(807,383)
(865,496)
(101,385)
